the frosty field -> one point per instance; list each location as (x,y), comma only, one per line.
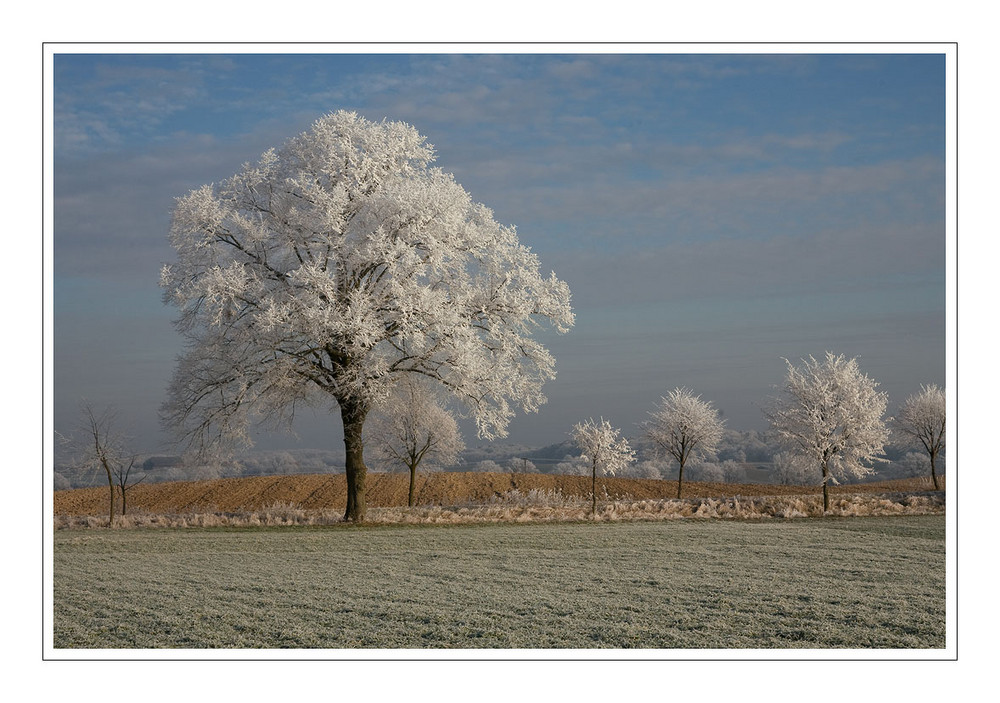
(816,583)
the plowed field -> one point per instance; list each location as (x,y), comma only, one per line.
(326,491)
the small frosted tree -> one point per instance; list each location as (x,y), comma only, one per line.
(684,426)
(910,465)
(282,462)
(733,471)
(707,471)
(922,420)
(790,469)
(831,415)
(645,469)
(336,265)
(572,466)
(603,449)
(413,429)
(520,465)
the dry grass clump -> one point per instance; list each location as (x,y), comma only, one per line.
(549,498)
(544,506)
(274,515)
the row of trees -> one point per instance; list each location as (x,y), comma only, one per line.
(830,416)
(342,265)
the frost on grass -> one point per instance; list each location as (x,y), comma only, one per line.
(551,506)
(692,583)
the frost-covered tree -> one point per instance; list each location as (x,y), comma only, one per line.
(603,449)
(336,265)
(277,462)
(520,465)
(707,471)
(831,415)
(411,428)
(684,426)
(733,471)
(922,420)
(909,465)
(572,466)
(744,446)
(791,470)
(487,466)
(645,469)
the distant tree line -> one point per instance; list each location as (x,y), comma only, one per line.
(743,456)
(683,438)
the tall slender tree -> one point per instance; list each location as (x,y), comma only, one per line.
(604,450)
(332,267)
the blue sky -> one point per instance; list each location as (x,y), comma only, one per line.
(711,213)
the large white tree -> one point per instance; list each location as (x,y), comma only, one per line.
(831,414)
(684,426)
(603,449)
(412,429)
(922,419)
(332,267)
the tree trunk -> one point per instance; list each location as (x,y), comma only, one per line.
(593,493)
(933,472)
(123,500)
(826,487)
(353,413)
(111,495)
(413,481)
(680,479)
(111,506)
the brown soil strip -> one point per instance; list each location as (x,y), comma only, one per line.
(325,491)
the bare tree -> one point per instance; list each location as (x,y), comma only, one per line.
(104,447)
(922,419)
(684,426)
(125,480)
(413,429)
(831,414)
(336,265)
(603,449)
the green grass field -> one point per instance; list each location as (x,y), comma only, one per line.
(817,583)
